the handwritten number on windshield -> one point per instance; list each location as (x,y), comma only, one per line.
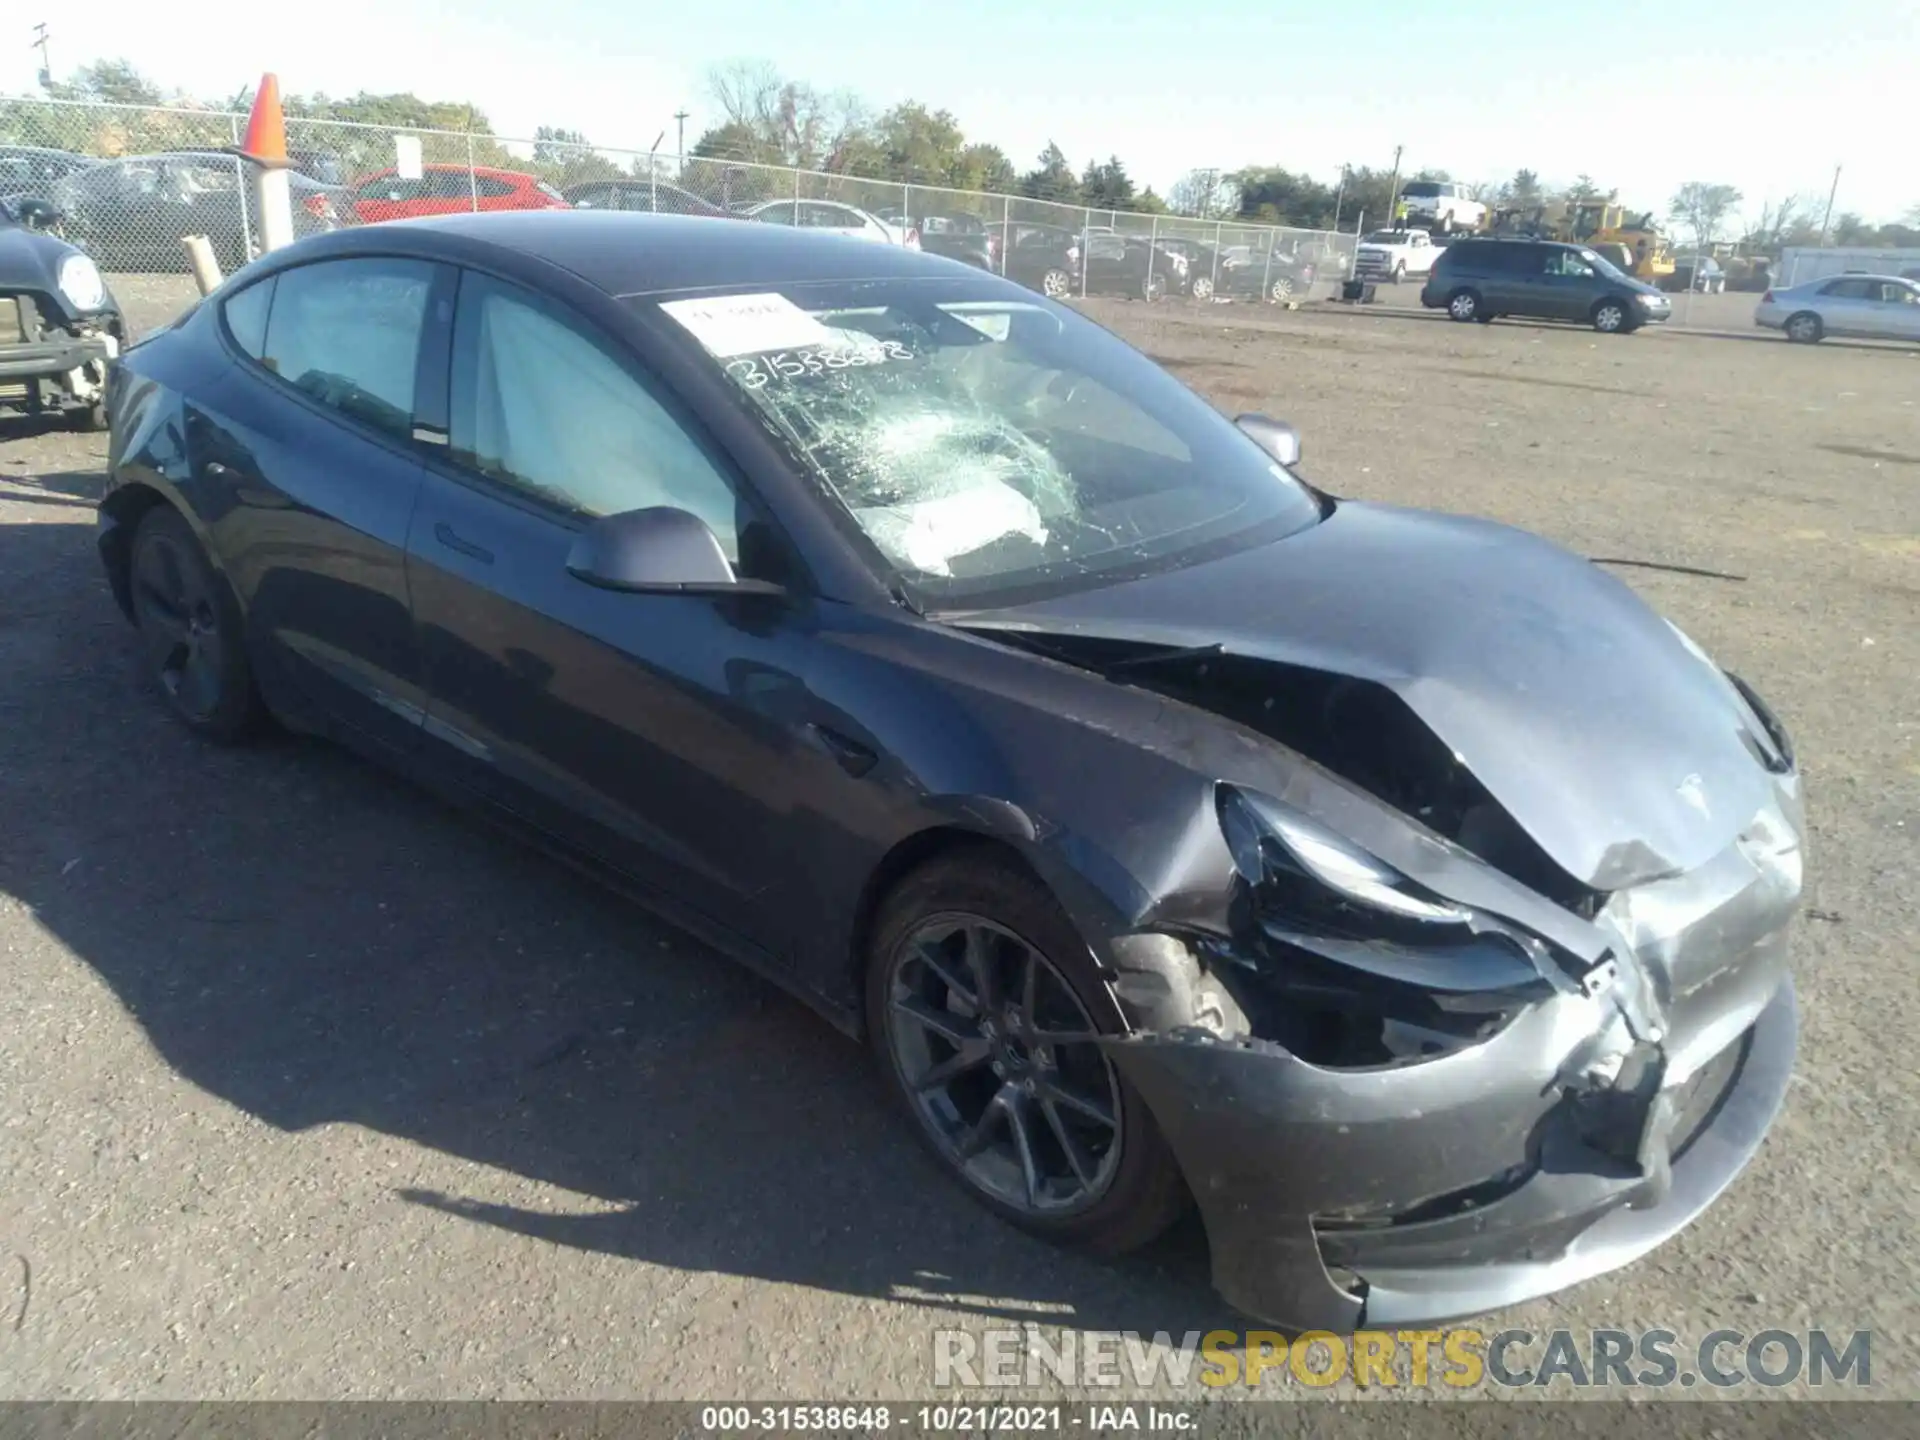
(755,371)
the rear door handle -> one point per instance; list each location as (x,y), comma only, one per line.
(444,533)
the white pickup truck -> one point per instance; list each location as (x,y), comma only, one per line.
(1395,254)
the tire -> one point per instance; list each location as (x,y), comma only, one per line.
(1281,290)
(1056,284)
(1002,911)
(1805,328)
(189,625)
(1399,272)
(1154,289)
(88,419)
(1202,288)
(1612,317)
(1466,305)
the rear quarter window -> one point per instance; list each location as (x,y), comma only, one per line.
(246,315)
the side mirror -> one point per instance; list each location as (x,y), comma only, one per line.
(36,214)
(1276,437)
(661,550)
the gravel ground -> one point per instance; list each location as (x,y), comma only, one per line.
(313,1089)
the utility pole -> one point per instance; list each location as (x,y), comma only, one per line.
(46,65)
(1339,196)
(680,117)
(1393,192)
(1826,218)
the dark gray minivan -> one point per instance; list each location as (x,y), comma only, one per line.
(1482,279)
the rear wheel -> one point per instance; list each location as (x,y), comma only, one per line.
(190,630)
(1280,290)
(984,1010)
(1805,328)
(1465,305)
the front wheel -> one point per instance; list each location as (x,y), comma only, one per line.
(1202,288)
(1399,272)
(1056,284)
(985,1013)
(1610,317)
(1280,290)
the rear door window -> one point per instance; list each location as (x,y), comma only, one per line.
(1848,290)
(346,333)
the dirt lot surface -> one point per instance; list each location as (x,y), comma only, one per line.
(312,1089)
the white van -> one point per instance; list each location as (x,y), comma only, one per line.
(1442,205)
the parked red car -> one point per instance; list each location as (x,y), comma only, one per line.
(448,190)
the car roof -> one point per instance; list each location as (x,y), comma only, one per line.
(1856,275)
(629,253)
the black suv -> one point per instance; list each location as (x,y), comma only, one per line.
(1482,279)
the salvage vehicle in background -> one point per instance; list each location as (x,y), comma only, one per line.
(1045,258)
(1133,266)
(449,190)
(60,327)
(35,170)
(1483,279)
(1250,272)
(832,217)
(131,213)
(1173,830)
(1392,255)
(651,196)
(966,238)
(1441,205)
(1863,307)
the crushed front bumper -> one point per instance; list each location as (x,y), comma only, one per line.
(1595,1124)
(52,359)
(1439,1190)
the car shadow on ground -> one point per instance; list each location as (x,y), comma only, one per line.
(315,943)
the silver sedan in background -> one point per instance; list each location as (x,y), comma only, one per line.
(1872,307)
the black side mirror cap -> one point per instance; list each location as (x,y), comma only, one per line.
(36,214)
(659,550)
(1279,439)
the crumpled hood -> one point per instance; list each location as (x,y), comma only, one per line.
(1579,708)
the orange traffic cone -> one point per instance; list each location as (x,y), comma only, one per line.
(266,142)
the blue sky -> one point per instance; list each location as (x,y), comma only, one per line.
(1768,95)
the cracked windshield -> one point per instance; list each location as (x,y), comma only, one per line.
(991,444)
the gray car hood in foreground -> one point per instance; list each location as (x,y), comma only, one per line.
(1578,708)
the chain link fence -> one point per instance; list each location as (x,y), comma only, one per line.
(130,181)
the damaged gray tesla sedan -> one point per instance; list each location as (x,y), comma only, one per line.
(1396,886)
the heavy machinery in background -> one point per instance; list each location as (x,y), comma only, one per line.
(1632,242)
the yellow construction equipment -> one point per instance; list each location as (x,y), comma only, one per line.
(1599,223)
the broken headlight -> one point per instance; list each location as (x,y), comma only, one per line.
(80,282)
(1348,962)
(1262,834)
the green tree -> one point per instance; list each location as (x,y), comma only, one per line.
(1206,193)
(566,157)
(915,143)
(1523,191)
(986,167)
(1272,195)
(109,82)
(1107,186)
(786,122)
(1052,178)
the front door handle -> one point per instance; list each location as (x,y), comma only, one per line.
(853,757)
(446,535)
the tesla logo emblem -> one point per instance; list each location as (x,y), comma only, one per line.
(1694,791)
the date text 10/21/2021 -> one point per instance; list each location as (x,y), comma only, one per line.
(948,1419)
